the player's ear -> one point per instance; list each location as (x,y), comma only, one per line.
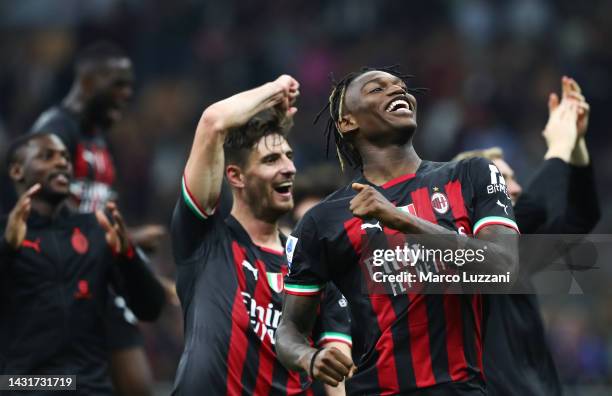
(235,176)
(16,172)
(347,124)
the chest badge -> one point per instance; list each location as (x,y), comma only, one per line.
(275,280)
(79,241)
(439,202)
(83,292)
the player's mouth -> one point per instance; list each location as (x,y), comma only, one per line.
(60,178)
(400,105)
(284,189)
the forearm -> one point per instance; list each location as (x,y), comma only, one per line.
(293,347)
(580,154)
(204,168)
(144,293)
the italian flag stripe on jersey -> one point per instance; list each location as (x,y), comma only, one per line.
(490,220)
(191,202)
(302,290)
(335,337)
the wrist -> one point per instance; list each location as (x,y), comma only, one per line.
(580,154)
(562,152)
(306,359)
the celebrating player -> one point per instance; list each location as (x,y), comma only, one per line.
(230,270)
(56,266)
(517,359)
(413,344)
(101,89)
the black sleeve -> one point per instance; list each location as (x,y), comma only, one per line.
(307,259)
(6,251)
(490,203)
(137,283)
(191,225)
(333,322)
(560,199)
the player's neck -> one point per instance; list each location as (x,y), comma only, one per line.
(261,231)
(45,208)
(381,164)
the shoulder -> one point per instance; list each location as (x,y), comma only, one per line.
(55,120)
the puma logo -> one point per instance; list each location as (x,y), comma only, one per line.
(248,266)
(32,244)
(503,206)
(367,225)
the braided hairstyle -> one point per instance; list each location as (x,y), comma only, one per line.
(345,150)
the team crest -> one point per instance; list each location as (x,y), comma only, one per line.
(439,202)
(79,241)
(275,280)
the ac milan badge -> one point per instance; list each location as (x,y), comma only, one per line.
(79,241)
(439,202)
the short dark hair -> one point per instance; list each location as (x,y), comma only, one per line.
(97,53)
(240,141)
(345,149)
(14,148)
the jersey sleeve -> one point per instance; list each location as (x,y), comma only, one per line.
(490,200)
(191,225)
(307,259)
(333,322)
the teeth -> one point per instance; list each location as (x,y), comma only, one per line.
(393,106)
(285,184)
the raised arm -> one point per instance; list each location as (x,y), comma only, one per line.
(204,169)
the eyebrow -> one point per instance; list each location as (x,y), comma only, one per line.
(379,79)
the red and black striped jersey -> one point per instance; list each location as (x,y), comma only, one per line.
(412,341)
(94,169)
(231,293)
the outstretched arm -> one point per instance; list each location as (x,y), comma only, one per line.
(204,169)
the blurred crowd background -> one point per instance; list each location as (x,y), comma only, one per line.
(489,67)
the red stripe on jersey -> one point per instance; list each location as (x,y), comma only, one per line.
(238,343)
(267,357)
(422,203)
(385,364)
(477,310)
(419,332)
(353,231)
(80,165)
(457,204)
(457,364)
(419,341)
(294,384)
(398,180)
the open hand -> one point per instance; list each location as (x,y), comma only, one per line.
(16,227)
(116,233)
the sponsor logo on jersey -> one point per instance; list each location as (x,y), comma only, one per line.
(290,248)
(497,182)
(264,320)
(439,202)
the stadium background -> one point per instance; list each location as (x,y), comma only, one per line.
(489,66)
